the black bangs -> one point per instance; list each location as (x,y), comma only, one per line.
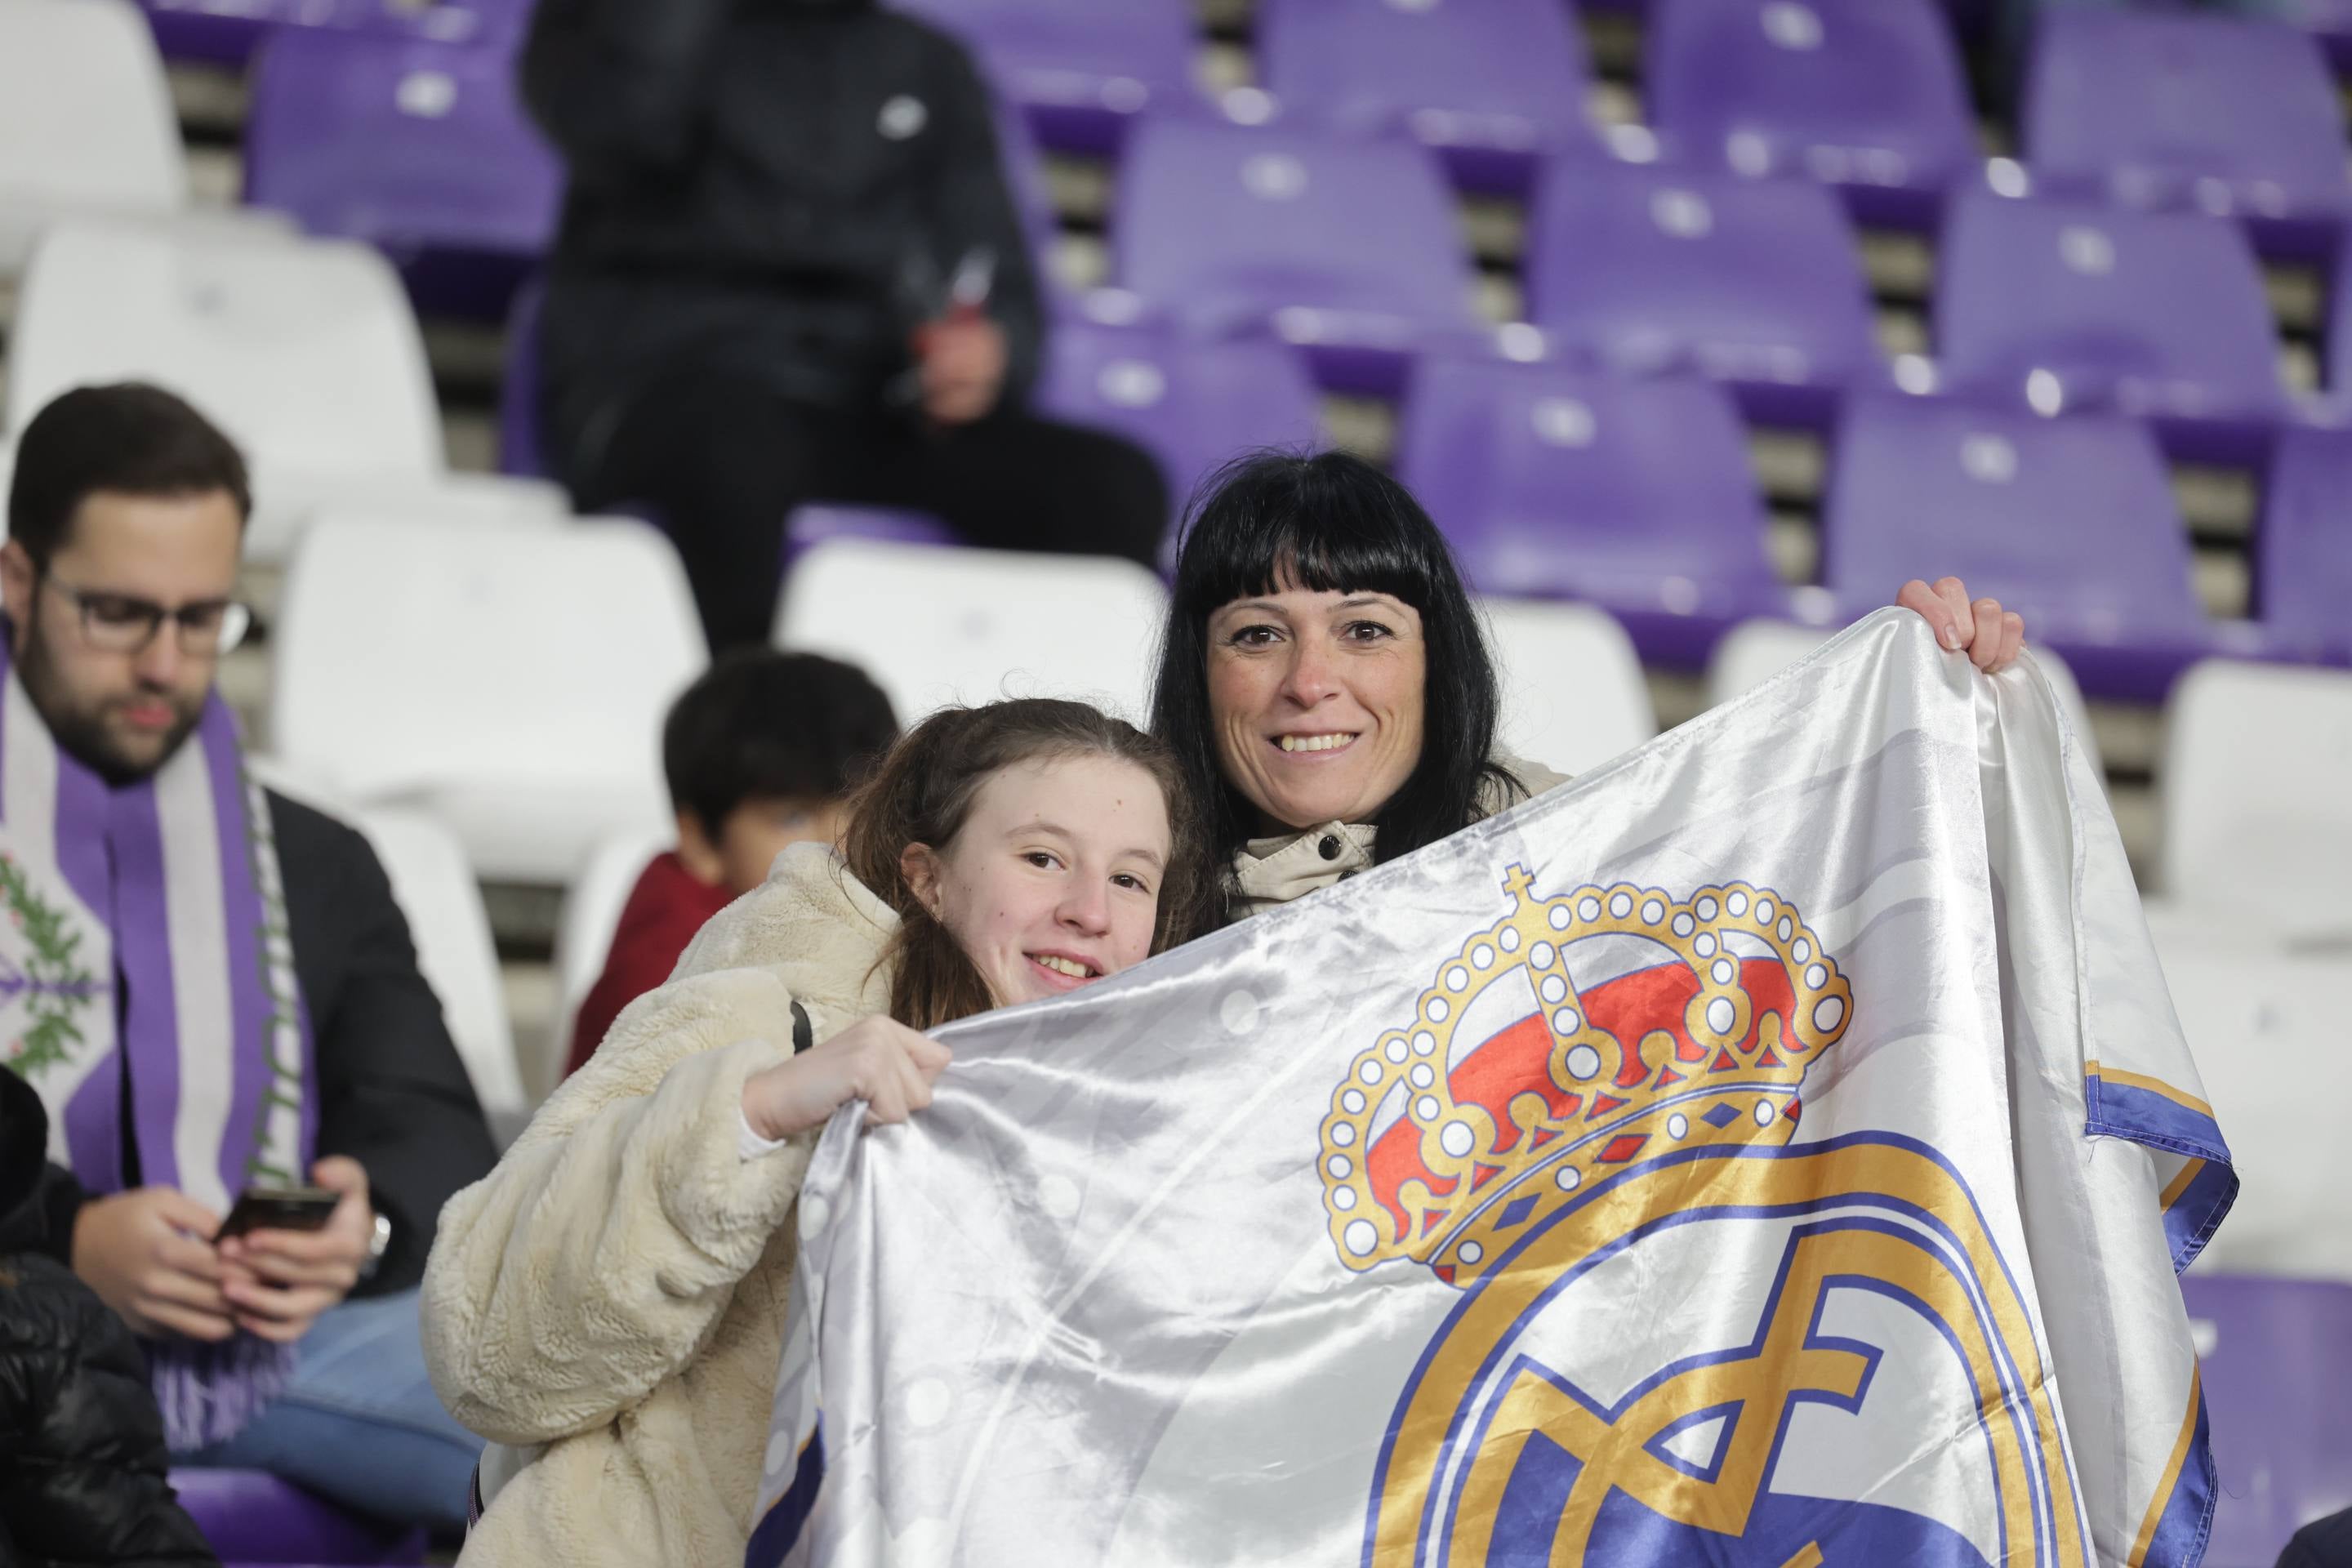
(1326,523)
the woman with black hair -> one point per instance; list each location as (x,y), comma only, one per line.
(1324,679)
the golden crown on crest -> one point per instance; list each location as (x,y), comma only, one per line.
(1448,1158)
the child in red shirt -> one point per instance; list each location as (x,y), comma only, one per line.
(760,754)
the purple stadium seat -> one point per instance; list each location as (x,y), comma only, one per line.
(1081,69)
(2330,22)
(1192,403)
(226,32)
(420,149)
(1865,95)
(2276,1356)
(1492,85)
(2227,115)
(2070,522)
(2302,549)
(1636,494)
(251,1516)
(2070,305)
(1350,248)
(1754,282)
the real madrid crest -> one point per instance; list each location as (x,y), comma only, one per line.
(1594,1105)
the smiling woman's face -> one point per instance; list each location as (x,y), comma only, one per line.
(1316,700)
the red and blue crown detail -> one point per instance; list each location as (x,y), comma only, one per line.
(1444,1150)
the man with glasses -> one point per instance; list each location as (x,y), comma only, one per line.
(210,986)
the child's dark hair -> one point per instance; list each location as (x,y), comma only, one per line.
(761,725)
(923,791)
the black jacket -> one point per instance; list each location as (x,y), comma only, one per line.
(392,1092)
(82,1460)
(781,189)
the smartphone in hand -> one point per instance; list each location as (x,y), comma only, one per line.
(279,1208)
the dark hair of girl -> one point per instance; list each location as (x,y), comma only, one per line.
(922,792)
(1330,523)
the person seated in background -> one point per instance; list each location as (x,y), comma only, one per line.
(789,268)
(760,752)
(220,994)
(82,1463)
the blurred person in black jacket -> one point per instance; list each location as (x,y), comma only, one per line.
(790,268)
(210,987)
(82,1463)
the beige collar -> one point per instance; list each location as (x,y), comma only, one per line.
(1271,871)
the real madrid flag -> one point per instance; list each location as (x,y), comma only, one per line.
(1775,1149)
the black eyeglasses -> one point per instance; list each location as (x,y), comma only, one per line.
(121,622)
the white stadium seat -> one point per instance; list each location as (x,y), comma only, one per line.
(1573,695)
(86,124)
(584,933)
(935,625)
(433,883)
(305,352)
(2257,786)
(513,679)
(1754,650)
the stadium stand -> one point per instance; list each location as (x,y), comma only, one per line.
(446,652)
(1573,727)
(1348,246)
(1493,88)
(1865,95)
(305,351)
(1081,69)
(2274,1356)
(2303,550)
(86,119)
(2257,820)
(1634,494)
(2207,113)
(481,673)
(933,627)
(420,149)
(2069,521)
(2070,305)
(1755,282)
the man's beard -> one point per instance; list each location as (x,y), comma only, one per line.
(82,733)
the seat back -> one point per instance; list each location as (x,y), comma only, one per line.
(2257,815)
(411,145)
(305,352)
(2303,548)
(936,625)
(1754,651)
(2274,1356)
(85,118)
(2224,114)
(2070,303)
(415,655)
(1227,224)
(2069,521)
(1865,92)
(1648,268)
(1550,479)
(1573,693)
(1508,74)
(1082,67)
(1192,403)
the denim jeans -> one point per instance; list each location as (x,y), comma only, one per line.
(360,1423)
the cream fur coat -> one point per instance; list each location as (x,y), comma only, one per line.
(610,1299)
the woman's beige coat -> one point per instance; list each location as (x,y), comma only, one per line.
(610,1301)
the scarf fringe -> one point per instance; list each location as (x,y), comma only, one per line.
(209,1393)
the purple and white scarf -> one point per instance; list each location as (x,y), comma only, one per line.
(145,933)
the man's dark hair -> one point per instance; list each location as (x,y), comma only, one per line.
(766,725)
(130,438)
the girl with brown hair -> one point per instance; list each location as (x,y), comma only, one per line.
(607,1306)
